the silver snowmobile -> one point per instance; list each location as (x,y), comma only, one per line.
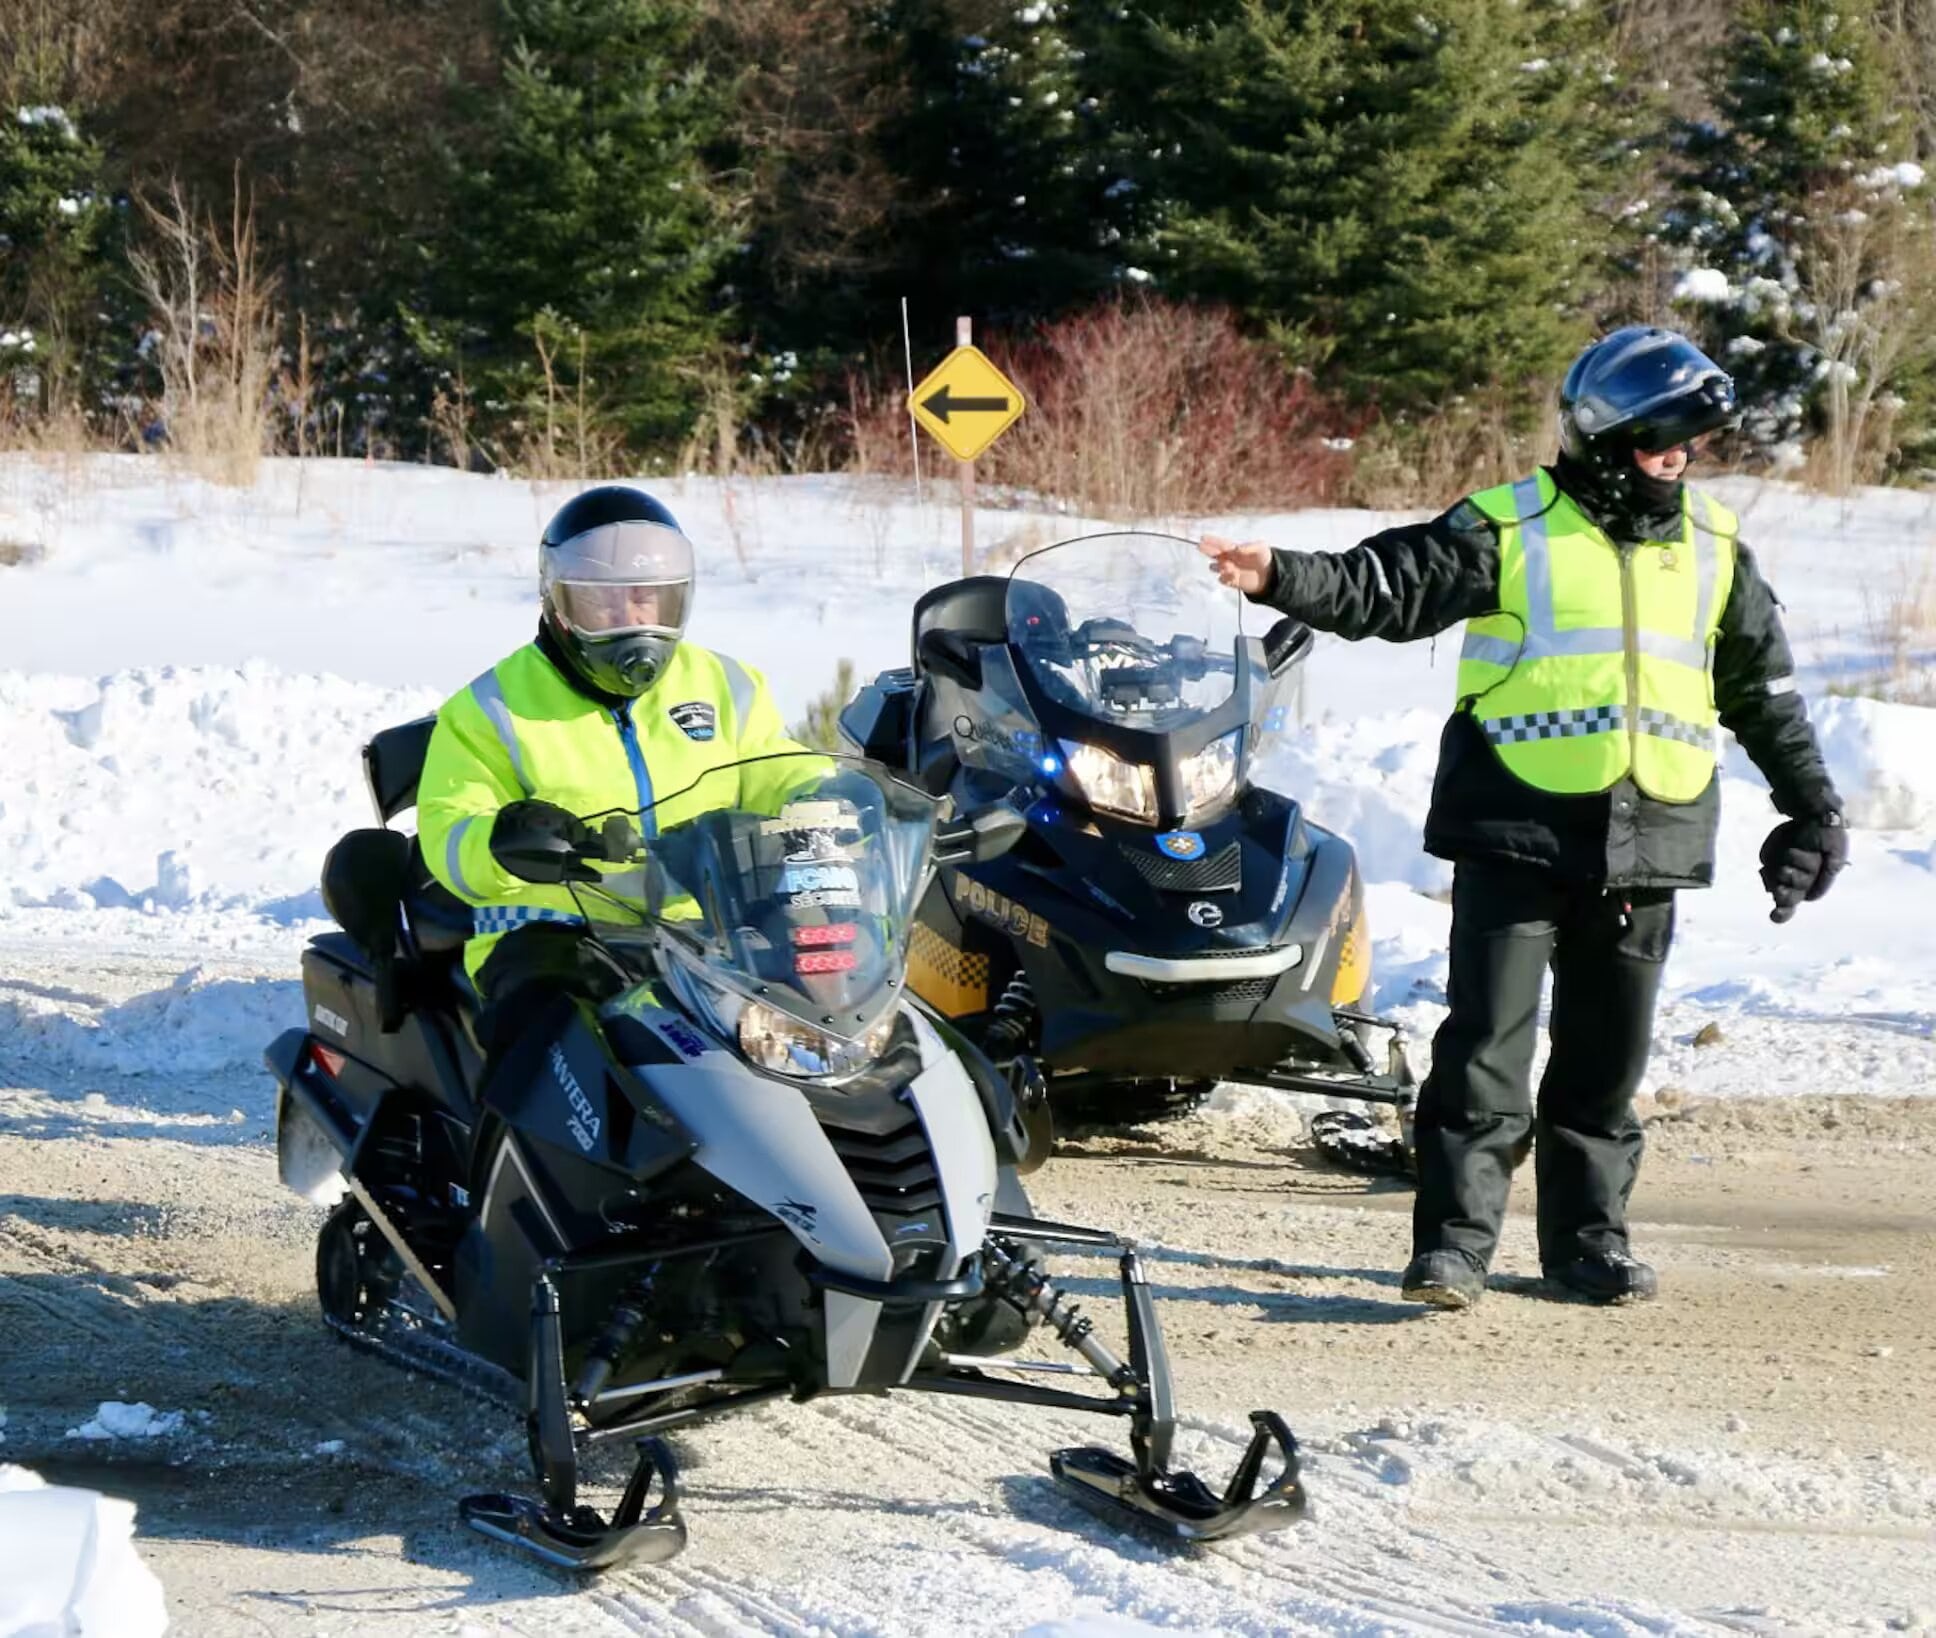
(761,1171)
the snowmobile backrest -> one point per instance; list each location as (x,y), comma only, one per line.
(393,763)
(975,609)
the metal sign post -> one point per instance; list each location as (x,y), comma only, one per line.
(965,337)
(967,404)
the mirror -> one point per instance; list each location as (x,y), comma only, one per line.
(985,834)
(951,654)
(1285,644)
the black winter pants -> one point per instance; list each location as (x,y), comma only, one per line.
(1476,1114)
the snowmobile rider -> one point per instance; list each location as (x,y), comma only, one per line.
(1612,619)
(606,708)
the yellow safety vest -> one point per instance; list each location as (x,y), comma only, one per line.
(1598,663)
(522,730)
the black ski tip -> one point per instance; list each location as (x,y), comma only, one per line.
(580,1541)
(1179,1506)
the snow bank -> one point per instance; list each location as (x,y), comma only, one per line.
(118,1420)
(68,1567)
(1883,759)
(171,789)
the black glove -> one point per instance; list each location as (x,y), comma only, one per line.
(1801,859)
(540,842)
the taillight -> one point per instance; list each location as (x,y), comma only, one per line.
(327,1059)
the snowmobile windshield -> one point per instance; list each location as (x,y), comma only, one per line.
(788,881)
(1129,629)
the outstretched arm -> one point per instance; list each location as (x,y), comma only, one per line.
(1412,581)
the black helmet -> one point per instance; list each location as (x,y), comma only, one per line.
(1641,389)
(615,573)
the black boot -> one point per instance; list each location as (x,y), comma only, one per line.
(1445,1279)
(1610,1276)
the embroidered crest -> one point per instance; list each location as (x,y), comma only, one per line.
(699,720)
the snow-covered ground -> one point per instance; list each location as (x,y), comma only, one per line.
(186,673)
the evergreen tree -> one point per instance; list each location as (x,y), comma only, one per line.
(1405,193)
(1804,221)
(59,246)
(583,218)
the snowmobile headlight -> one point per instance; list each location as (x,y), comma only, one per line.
(779,1042)
(1111,784)
(1211,775)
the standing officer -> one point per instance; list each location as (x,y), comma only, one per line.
(608,709)
(1612,619)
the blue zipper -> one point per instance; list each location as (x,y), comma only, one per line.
(629,736)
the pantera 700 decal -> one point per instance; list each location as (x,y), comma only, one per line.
(1001,911)
(583,1119)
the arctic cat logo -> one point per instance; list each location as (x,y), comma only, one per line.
(1206,914)
(583,1119)
(799,1214)
(699,720)
(332,1020)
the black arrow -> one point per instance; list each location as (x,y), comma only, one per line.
(940,405)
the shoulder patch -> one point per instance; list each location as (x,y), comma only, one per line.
(699,719)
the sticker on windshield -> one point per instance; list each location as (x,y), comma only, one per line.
(835,816)
(699,719)
(682,1037)
(1180,844)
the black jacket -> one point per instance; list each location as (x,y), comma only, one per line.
(1419,579)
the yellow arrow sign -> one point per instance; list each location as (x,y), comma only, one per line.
(967,403)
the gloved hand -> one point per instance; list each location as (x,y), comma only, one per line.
(539,841)
(1801,859)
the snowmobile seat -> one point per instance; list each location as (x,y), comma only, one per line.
(393,763)
(379,890)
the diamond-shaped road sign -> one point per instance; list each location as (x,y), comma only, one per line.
(967,403)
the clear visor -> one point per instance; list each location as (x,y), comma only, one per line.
(612,608)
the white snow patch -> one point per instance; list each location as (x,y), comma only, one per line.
(116,1420)
(68,1566)
(1706,285)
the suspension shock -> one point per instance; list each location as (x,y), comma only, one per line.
(1016,1024)
(622,1324)
(1024,1284)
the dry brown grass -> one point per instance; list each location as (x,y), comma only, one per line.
(1900,628)
(212,308)
(1467,446)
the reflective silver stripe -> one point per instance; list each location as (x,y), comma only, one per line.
(453,863)
(1779,685)
(740,686)
(1707,565)
(1378,569)
(1543,638)
(1538,553)
(1491,650)
(489,694)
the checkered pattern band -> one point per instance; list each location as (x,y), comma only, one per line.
(1659,725)
(1534,725)
(501,918)
(1595,719)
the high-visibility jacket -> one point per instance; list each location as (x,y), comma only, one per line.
(523,730)
(1598,663)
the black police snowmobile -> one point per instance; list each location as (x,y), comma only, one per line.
(760,1172)
(1165,923)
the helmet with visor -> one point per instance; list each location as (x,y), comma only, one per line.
(615,572)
